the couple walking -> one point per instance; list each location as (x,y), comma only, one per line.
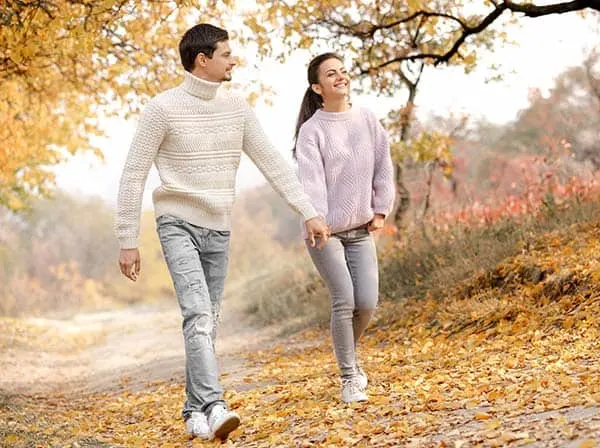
(343,191)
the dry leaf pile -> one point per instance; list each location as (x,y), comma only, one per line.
(507,358)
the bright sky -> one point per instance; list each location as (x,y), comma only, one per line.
(547,46)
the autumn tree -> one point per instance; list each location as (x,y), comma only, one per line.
(65,63)
(546,156)
(567,116)
(392,43)
(58,256)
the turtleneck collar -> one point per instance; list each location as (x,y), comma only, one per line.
(201,88)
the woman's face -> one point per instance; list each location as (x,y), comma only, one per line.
(334,82)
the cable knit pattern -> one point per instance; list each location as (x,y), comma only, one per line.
(195,138)
(345,166)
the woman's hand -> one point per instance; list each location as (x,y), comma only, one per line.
(376,223)
(318,232)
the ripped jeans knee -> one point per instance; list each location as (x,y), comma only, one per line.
(198,328)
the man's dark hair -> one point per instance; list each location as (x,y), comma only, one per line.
(202,38)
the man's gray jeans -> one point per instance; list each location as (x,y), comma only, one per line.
(348,266)
(197,260)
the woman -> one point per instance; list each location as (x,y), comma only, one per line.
(345,167)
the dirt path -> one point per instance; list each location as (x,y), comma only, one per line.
(108,351)
(129,348)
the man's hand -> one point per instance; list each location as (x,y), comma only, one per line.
(130,263)
(317,228)
(376,223)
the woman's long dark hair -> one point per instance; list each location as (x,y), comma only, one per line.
(312,101)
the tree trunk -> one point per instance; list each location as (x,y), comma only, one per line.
(402,200)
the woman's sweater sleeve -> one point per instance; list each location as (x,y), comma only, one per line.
(383,177)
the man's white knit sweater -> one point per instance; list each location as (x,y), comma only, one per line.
(196,137)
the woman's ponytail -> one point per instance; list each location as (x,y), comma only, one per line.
(312,101)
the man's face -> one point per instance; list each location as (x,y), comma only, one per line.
(218,68)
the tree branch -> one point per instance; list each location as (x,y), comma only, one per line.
(364,30)
(528,10)
(532,10)
(592,79)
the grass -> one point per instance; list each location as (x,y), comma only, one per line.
(431,264)
(290,293)
(436,263)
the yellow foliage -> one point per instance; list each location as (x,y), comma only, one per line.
(63,64)
(365,28)
(428,146)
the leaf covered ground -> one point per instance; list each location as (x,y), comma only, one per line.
(509,357)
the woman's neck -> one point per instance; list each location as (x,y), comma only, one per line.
(336,105)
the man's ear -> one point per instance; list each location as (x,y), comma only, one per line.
(316,88)
(200,60)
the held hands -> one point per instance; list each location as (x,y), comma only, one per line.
(376,223)
(317,228)
(130,263)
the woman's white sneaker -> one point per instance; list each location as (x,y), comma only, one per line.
(362,379)
(351,391)
(222,421)
(197,426)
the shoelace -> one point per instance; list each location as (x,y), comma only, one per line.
(352,385)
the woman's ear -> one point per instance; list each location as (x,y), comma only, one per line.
(316,88)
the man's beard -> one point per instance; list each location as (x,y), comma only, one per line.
(227,77)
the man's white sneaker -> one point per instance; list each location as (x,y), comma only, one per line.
(197,426)
(351,391)
(362,379)
(222,421)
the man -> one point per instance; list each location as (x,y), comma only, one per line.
(195,138)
